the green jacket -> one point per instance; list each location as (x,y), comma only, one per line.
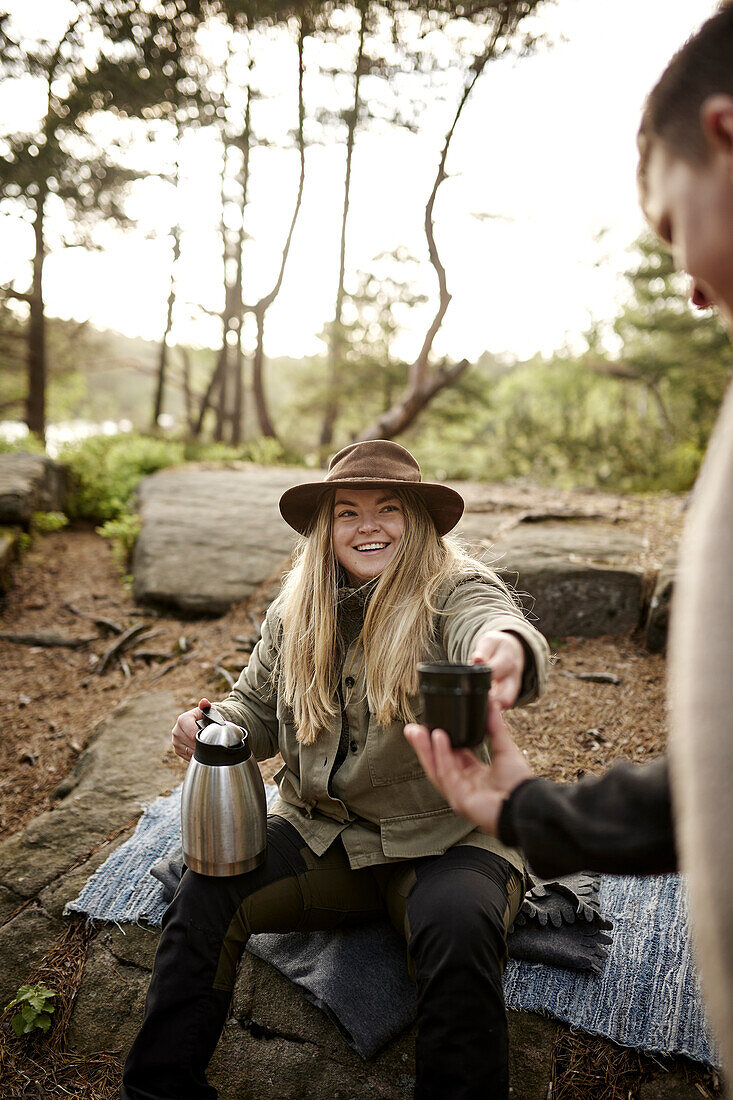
(379,799)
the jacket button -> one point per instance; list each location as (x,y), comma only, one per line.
(354,747)
(349,681)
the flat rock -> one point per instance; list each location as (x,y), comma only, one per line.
(109,1004)
(576,577)
(24,940)
(210,537)
(121,770)
(29,483)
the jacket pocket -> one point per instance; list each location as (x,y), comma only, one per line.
(412,836)
(390,756)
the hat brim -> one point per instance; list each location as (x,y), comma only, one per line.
(299,504)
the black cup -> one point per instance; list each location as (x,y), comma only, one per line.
(455,698)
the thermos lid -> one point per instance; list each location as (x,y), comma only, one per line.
(220,743)
(226,734)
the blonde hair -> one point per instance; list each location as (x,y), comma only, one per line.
(399,618)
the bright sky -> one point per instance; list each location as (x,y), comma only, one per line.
(545,148)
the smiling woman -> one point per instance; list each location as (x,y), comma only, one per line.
(377,585)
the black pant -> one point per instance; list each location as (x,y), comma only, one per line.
(454,911)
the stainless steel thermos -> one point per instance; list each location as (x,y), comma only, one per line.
(223,805)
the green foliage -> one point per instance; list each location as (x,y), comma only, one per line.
(105,469)
(262,450)
(29,443)
(122,533)
(49,521)
(36,1007)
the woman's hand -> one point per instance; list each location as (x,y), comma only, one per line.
(183,734)
(473,789)
(505,654)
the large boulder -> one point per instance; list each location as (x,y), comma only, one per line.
(577,577)
(41,868)
(210,537)
(29,483)
(275,1041)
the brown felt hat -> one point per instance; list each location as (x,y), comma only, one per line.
(374,464)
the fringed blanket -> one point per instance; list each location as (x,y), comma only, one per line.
(644,996)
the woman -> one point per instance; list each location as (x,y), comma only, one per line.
(358,829)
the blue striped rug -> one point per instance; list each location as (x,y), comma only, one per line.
(645,997)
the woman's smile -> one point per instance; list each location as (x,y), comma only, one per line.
(371,547)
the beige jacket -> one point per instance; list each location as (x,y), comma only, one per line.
(379,800)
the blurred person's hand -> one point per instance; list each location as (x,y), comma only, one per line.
(474,789)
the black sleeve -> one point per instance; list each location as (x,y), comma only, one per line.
(619,822)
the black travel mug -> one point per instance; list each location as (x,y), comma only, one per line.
(456,698)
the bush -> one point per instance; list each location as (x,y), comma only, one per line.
(123,533)
(104,470)
(49,521)
(29,443)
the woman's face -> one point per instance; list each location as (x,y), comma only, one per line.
(368,525)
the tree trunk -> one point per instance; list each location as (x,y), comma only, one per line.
(216,388)
(237,410)
(336,341)
(425,382)
(164,347)
(163,353)
(208,397)
(260,309)
(401,415)
(187,392)
(258,387)
(36,400)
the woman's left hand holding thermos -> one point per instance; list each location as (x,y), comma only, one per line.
(183,734)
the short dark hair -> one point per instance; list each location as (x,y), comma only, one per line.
(701,68)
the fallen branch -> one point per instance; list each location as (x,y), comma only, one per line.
(119,645)
(165,669)
(98,620)
(592,677)
(47,638)
(225,674)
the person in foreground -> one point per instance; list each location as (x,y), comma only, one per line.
(686,190)
(376,587)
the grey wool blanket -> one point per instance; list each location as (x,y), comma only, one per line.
(359,976)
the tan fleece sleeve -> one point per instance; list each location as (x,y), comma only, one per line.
(701,737)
